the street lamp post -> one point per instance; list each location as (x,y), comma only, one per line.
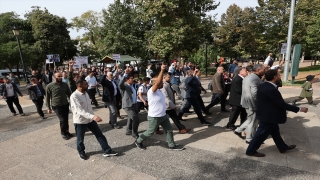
(16,32)
(206,42)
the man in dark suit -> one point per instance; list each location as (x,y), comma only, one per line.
(37,93)
(109,97)
(271,111)
(192,85)
(235,99)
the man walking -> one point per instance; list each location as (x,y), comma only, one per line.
(8,92)
(109,98)
(218,90)
(249,100)
(271,111)
(36,94)
(57,93)
(157,114)
(171,103)
(83,119)
(13,79)
(129,100)
(235,99)
(92,81)
(175,80)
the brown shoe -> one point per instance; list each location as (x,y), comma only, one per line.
(159,132)
(257,154)
(288,148)
(183,131)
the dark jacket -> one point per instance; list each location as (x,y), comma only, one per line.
(33,91)
(3,90)
(192,85)
(236,91)
(271,107)
(71,82)
(108,90)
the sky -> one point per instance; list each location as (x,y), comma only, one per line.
(72,8)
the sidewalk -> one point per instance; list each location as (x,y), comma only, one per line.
(37,151)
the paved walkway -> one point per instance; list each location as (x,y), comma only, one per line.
(33,149)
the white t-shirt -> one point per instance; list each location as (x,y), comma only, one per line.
(157,103)
(92,81)
(148,72)
(10,91)
(142,89)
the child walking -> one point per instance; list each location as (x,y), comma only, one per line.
(306,91)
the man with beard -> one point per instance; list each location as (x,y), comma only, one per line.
(83,119)
(57,93)
(249,100)
(271,111)
(157,114)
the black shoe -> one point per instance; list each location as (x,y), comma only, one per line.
(14,114)
(231,127)
(139,145)
(257,154)
(128,133)
(135,136)
(224,110)
(206,123)
(43,118)
(177,148)
(97,106)
(69,135)
(83,156)
(207,113)
(238,134)
(65,137)
(288,148)
(116,126)
(110,153)
(22,114)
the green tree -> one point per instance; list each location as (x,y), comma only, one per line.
(178,26)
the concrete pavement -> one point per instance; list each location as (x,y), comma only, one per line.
(33,149)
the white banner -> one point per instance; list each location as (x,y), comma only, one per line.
(82,60)
(283,48)
(116,57)
(48,62)
(53,58)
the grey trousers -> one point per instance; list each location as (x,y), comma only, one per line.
(250,125)
(176,88)
(133,120)
(112,112)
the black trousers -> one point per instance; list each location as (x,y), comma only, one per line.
(214,101)
(196,106)
(264,130)
(92,95)
(173,115)
(39,104)
(235,112)
(14,100)
(63,115)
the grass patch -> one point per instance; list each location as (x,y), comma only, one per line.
(310,68)
(296,83)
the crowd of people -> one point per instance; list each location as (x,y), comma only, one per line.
(252,91)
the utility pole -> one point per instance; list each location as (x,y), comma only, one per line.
(289,40)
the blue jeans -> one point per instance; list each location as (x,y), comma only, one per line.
(94,128)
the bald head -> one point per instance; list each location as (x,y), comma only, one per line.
(58,77)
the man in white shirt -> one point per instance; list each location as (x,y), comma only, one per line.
(142,101)
(83,119)
(149,70)
(92,82)
(157,114)
(269,60)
